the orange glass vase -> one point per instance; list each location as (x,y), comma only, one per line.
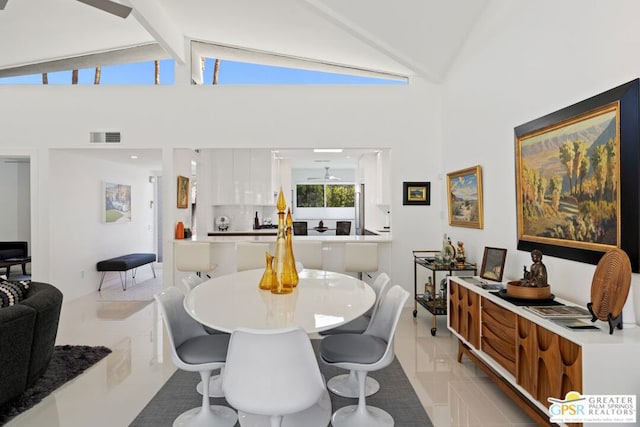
(269,276)
(179,230)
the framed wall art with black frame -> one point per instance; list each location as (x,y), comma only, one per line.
(577,178)
(416,193)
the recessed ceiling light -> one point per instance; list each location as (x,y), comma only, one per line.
(134,157)
(327,150)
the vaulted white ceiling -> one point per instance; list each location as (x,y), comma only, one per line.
(402,37)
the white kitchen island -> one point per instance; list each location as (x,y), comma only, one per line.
(223,250)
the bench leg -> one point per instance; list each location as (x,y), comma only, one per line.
(133,276)
(101,280)
(153,270)
(24,268)
(123,283)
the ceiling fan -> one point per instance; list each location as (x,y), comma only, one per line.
(109,6)
(326,177)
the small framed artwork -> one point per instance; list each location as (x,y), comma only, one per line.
(493,263)
(416,193)
(117,202)
(183,192)
(464,190)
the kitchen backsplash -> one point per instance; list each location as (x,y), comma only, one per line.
(241,217)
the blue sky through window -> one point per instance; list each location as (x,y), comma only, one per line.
(231,73)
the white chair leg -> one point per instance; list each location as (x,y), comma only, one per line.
(361,415)
(215,385)
(207,415)
(346,385)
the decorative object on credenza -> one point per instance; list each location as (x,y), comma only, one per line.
(610,288)
(183,192)
(464,193)
(576,178)
(534,283)
(460,257)
(117,203)
(493,263)
(416,193)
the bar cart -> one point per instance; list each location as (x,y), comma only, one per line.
(434,303)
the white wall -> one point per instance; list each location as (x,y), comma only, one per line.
(79,237)
(8,192)
(525,60)
(15,215)
(404,118)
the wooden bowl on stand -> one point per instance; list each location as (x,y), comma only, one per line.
(514,290)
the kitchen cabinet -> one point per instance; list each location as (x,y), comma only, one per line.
(221,177)
(241,177)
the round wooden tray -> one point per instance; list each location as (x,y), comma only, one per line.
(526,292)
(610,285)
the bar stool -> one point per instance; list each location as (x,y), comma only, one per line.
(194,257)
(309,253)
(250,255)
(360,258)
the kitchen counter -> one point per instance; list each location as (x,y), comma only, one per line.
(269,236)
(260,232)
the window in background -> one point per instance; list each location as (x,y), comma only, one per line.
(236,72)
(310,195)
(325,195)
(136,73)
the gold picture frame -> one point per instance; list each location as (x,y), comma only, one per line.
(577,178)
(464,195)
(183,192)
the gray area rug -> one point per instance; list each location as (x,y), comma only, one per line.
(67,362)
(396,396)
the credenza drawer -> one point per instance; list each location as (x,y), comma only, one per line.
(499,335)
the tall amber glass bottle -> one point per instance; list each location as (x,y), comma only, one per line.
(289,273)
(281,247)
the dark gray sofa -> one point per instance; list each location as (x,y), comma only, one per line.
(27,336)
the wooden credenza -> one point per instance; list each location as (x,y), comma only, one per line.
(531,358)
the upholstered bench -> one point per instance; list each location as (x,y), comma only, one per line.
(125,263)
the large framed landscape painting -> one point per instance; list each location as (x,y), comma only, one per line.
(117,202)
(577,178)
(464,191)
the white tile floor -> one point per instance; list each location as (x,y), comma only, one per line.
(112,392)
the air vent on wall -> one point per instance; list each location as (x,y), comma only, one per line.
(105,137)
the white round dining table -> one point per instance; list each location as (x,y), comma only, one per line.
(322,300)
